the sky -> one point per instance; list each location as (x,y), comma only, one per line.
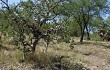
(17,1)
(14,1)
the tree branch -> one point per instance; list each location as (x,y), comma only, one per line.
(7,6)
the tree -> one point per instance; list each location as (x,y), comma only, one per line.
(27,18)
(107,22)
(83,11)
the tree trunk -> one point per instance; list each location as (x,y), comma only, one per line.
(88,34)
(82,35)
(34,45)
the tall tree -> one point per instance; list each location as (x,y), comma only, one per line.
(83,11)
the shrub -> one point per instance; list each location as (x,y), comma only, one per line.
(50,61)
(95,37)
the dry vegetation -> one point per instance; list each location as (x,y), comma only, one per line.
(93,55)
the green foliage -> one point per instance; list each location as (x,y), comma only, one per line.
(83,11)
(95,37)
(73,28)
(29,18)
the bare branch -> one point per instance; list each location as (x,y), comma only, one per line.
(16,5)
(7,6)
(47,13)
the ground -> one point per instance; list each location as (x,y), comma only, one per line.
(91,54)
(94,55)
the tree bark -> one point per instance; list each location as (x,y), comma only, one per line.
(34,45)
(82,33)
(88,34)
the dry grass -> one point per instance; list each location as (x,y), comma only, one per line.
(91,54)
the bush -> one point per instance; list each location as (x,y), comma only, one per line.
(49,61)
(39,60)
(95,37)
